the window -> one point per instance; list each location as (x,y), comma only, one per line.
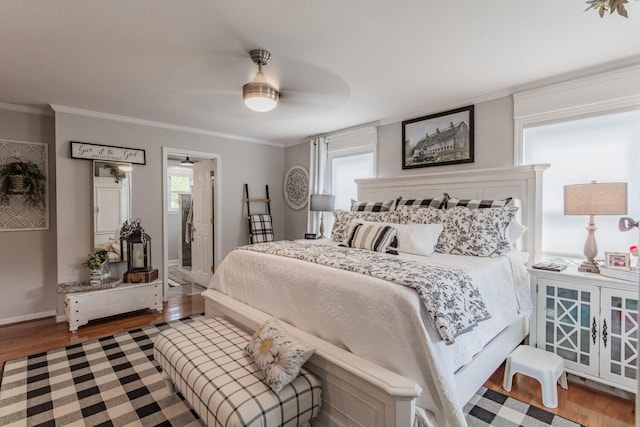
(178,184)
(603,148)
(344,171)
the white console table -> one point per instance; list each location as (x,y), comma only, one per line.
(84,305)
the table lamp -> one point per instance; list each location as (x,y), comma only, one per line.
(608,198)
(321,203)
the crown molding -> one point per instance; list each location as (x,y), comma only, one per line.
(448,106)
(161,125)
(41,111)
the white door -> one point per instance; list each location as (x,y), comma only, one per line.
(202,230)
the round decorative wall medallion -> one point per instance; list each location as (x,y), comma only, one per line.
(296,187)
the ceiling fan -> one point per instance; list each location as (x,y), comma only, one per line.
(258,94)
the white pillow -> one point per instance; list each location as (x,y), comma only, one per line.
(515,230)
(417,239)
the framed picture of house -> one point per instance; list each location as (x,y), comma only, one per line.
(439,139)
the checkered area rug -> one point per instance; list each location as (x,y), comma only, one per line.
(114,381)
(490,408)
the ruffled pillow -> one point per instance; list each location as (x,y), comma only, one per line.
(278,355)
(476,232)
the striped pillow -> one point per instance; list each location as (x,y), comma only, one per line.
(372,237)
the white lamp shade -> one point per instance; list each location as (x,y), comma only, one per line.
(321,202)
(608,198)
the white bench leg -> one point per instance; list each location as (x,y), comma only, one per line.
(168,383)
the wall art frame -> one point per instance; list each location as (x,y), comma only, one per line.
(89,151)
(296,187)
(17,214)
(439,139)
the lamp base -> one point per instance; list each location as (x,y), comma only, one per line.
(589,266)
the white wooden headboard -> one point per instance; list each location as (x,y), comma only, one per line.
(519,182)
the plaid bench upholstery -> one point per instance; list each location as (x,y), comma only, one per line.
(206,362)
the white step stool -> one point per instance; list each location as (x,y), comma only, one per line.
(542,365)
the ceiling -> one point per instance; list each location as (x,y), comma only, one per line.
(337,63)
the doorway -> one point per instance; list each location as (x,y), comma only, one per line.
(191,235)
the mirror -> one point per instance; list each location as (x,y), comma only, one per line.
(111,204)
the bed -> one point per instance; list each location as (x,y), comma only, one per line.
(375,369)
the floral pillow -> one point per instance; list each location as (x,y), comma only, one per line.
(407,214)
(476,232)
(279,356)
(342,221)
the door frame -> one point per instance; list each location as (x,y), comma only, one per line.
(169,151)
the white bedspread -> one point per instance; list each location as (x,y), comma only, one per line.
(378,320)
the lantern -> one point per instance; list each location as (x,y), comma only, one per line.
(139,252)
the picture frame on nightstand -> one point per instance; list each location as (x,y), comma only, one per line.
(617,260)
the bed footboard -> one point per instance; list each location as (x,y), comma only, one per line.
(356,392)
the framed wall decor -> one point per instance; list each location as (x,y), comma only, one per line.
(617,260)
(439,139)
(296,187)
(88,151)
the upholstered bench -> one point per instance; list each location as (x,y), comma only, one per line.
(206,362)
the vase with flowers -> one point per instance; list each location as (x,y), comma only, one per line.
(98,264)
(634,257)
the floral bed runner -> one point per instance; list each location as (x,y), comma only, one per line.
(448,294)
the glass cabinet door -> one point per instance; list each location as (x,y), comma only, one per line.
(568,323)
(618,338)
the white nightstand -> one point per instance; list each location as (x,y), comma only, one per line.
(590,321)
(80,307)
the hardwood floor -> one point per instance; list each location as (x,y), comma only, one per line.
(23,339)
(579,403)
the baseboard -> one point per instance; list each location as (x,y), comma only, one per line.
(604,388)
(61,318)
(173,262)
(27,317)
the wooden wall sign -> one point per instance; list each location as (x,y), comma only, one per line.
(85,150)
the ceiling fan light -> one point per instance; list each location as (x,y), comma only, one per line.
(261,97)
(258,94)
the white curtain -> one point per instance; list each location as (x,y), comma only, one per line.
(317,178)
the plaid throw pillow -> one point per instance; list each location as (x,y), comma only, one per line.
(373,206)
(437,203)
(261,228)
(452,202)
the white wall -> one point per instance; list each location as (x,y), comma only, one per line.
(28,258)
(241,162)
(493,144)
(296,220)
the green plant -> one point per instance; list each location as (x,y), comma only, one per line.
(117,174)
(31,178)
(610,5)
(95,260)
